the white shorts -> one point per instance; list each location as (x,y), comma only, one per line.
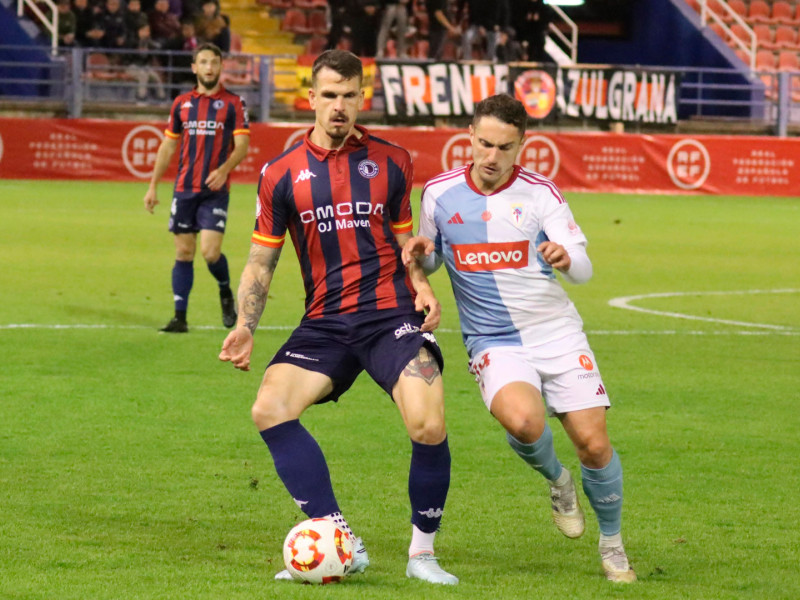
(564,371)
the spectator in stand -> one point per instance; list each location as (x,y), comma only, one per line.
(532,20)
(112,20)
(482,27)
(211,27)
(67,24)
(176,8)
(338,11)
(395,13)
(364,19)
(439,27)
(141,64)
(84,20)
(185,44)
(134,20)
(164,26)
(508,48)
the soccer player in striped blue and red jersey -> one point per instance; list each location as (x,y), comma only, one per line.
(211,125)
(343,195)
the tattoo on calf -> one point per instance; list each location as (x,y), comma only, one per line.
(424,366)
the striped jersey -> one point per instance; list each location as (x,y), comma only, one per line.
(206,126)
(342,209)
(507,295)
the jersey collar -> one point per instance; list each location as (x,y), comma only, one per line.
(506,185)
(216,95)
(353,142)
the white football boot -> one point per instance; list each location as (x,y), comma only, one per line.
(615,561)
(424,566)
(567,512)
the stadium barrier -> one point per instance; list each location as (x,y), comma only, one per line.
(113,150)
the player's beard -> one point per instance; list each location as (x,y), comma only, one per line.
(208,84)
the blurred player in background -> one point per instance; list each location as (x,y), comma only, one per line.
(343,194)
(212,126)
(502,231)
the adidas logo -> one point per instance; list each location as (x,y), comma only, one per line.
(456,220)
(601,391)
(304,175)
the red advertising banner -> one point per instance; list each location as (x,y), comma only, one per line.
(603,162)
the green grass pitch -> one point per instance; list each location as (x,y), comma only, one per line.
(129,467)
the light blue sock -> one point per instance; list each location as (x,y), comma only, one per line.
(603,487)
(541,454)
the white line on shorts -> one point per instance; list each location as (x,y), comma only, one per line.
(624,302)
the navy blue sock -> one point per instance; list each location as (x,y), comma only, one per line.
(302,468)
(182,280)
(220,272)
(428,482)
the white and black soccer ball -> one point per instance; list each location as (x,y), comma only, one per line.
(318,551)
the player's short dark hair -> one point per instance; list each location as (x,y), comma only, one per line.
(504,108)
(344,62)
(206,46)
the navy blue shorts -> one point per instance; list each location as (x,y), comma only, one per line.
(193,211)
(380,342)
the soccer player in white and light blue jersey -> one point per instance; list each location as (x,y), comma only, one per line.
(502,231)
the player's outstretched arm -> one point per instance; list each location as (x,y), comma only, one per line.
(416,248)
(426,300)
(163,158)
(252,297)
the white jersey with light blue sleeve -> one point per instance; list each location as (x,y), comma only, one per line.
(507,295)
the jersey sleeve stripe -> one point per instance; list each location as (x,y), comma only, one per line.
(241,132)
(268,240)
(174,136)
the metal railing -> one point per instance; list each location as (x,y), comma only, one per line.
(51,24)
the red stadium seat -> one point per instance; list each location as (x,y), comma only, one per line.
(765,60)
(788,60)
(786,37)
(318,22)
(316,44)
(295,21)
(739,7)
(783,14)
(759,12)
(764,36)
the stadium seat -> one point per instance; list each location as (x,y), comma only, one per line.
(737,6)
(765,60)
(302,3)
(783,14)
(740,33)
(316,44)
(786,38)
(759,12)
(764,36)
(236,71)
(788,60)
(719,30)
(295,21)
(318,22)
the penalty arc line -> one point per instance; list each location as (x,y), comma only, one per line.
(625,303)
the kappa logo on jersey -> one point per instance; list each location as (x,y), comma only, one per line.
(491,256)
(601,391)
(186,104)
(586,362)
(368,168)
(304,175)
(456,220)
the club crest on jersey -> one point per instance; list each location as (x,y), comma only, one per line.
(368,168)
(218,104)
(516,213)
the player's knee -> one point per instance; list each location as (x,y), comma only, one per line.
(184,254)
(267,412)
(211,255)
(427,430)
(594,451)
(526,428)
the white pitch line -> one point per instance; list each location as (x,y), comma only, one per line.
(66,326)
(624,302)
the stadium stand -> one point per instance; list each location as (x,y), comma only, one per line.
(759,12)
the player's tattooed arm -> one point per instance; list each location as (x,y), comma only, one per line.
(424,366)
(255,283)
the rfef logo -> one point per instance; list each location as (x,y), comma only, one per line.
(140,148)
(688,164)
(491,256)
(457,152)
(540,155)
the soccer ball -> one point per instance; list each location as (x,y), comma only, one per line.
(318,551)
